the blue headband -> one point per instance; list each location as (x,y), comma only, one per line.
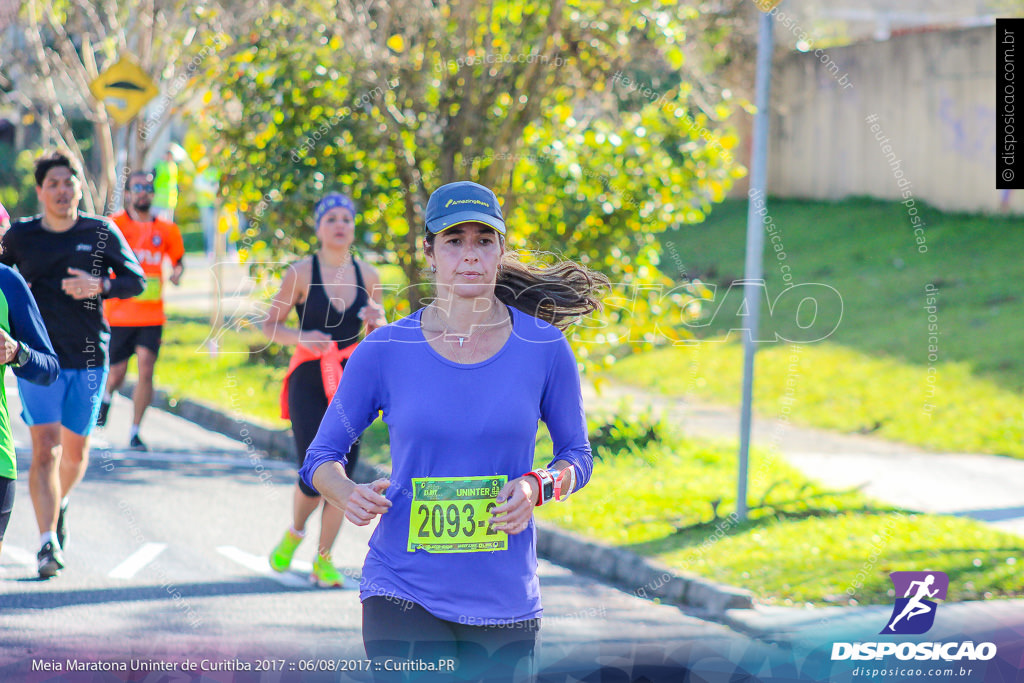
(332,201)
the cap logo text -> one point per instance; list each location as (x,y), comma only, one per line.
(465,201)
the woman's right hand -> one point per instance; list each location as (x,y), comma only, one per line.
(366,502)
(315,340)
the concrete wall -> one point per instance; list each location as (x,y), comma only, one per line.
(934,97)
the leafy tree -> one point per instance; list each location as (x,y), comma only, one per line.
(16,182)
(388,100)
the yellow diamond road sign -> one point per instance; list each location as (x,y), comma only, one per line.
(766,5)
(124,89)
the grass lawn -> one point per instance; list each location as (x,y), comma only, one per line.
(872,374)
(802,543)
(187,368)
(845,389)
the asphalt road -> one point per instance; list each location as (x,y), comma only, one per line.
(166,563)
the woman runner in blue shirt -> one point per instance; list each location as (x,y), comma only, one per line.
(451,573)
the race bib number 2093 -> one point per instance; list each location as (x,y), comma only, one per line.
(450,515)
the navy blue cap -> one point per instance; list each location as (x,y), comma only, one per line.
(463,202)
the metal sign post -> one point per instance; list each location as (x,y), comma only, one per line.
(755,248)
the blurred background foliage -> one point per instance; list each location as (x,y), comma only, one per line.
(592,121)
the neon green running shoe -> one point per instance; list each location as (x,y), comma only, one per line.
(281,556)
(325,574)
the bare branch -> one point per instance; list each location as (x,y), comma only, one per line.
(71,62)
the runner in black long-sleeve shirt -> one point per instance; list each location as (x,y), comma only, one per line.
(67,258)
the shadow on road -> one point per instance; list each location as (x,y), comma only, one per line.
(68,598)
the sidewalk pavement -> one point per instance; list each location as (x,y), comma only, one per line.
(205,285)
(988,488)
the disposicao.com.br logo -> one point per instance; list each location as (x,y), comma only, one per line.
(913,614)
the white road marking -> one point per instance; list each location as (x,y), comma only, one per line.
(259,565)
(137,560)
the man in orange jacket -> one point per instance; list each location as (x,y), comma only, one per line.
(136,325)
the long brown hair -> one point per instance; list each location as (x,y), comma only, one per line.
(560,293)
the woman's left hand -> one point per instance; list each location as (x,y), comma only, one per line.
(515,505)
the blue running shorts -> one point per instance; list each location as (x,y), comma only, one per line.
(73,400)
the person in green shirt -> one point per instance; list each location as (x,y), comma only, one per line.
(207,185)
(165,184)
(26,348)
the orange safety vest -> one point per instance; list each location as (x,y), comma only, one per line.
(151,242)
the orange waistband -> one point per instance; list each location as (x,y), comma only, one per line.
(330,367)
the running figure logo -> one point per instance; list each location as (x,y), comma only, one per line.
(914,613)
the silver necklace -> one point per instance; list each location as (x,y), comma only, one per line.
(458,335)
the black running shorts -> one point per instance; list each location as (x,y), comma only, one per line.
(6,503)
(124,340)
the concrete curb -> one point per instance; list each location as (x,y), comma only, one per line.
(276,443)
(643,577)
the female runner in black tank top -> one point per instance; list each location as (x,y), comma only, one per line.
(334,296)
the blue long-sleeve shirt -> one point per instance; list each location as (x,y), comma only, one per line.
(20,318)
(25,324)
(448,419)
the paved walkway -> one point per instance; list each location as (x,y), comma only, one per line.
(205,284)
(984,487)
(989,488)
